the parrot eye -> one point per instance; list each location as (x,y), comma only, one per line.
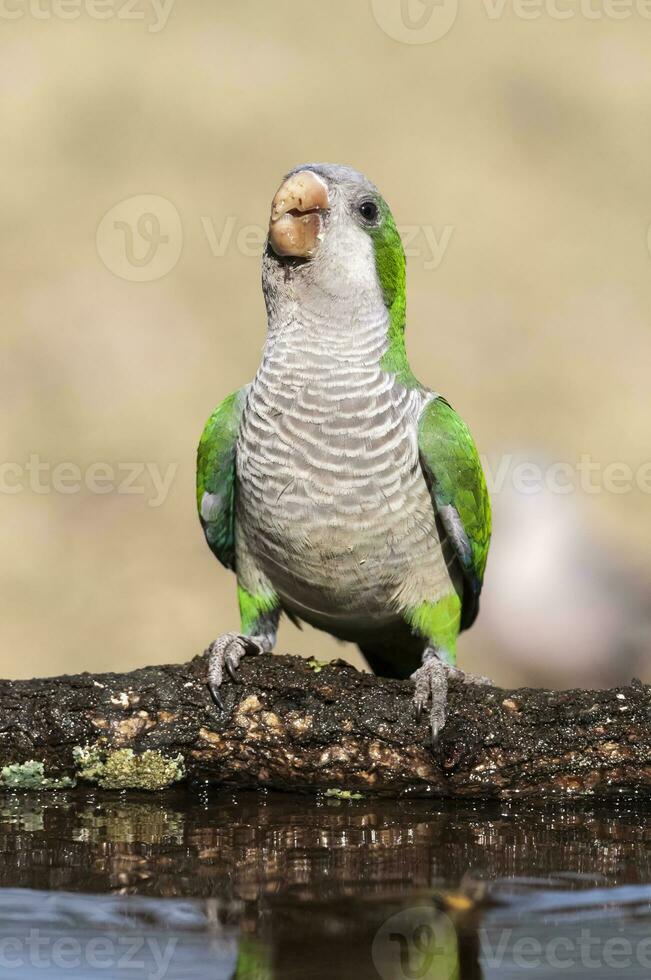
(369,211)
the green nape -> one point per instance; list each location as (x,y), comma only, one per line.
(391,271)
(253,608)
(439,622)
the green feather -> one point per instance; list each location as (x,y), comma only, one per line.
(455,478)
(216,477)
(253,608)
(439,622)
(391,272)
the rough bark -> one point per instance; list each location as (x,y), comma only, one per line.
(292,724)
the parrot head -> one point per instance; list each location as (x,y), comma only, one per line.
(332,235)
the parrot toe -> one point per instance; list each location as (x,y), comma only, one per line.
(431,688)
(467,678)
(225,655)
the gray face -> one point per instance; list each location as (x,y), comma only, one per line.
(320,236)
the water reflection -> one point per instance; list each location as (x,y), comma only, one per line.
(259,886)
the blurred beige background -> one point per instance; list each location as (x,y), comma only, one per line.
(520,147)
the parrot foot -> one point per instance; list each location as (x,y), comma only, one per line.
(431,688)
(225,654)
(467,678)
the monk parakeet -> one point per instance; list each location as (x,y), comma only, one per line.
(339,489)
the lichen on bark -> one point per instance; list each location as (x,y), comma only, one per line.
(126,769)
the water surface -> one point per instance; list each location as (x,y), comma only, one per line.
(268,885)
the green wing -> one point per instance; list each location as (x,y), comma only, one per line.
(452,469)
(216,477)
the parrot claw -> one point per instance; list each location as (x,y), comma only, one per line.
(431,688)
(216,696)
(225,654)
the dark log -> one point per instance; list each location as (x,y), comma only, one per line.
(295,725)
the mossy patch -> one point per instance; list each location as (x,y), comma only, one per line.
(344,794)
(126,769)
(30,775)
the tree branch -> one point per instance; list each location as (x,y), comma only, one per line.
(295,725)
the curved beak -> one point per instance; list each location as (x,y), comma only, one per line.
(296,223)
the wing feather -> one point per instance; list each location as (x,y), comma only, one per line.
(454,476)
(216,477)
